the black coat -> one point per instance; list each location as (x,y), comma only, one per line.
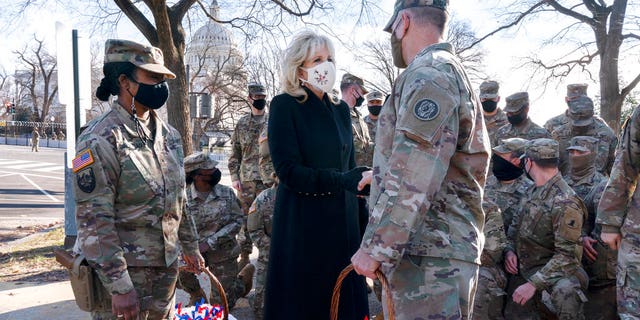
(315,226)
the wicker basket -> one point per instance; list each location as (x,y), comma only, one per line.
(335,297)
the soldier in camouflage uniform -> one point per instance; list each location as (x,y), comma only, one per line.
(259,226)
(507,186)
(35,140)
(583,176)
(374,105)
(218,216)
(598,261)
(243,161)
(582,123)
(619,217)
(520,125)
(431,159)
(353,91)
(546,252)
(129,189)
(259,222)
(574,90)
(494,117)
(492,280)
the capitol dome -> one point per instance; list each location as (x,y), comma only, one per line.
(212,47)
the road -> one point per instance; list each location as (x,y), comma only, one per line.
(31,186)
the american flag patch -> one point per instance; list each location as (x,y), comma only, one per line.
(82,160)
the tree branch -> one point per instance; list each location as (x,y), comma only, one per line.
(571,13)
(139,20)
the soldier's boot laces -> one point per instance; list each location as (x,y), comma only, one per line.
(246,275)
(196,297)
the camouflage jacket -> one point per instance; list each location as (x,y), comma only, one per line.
(601,272)
(583,185)
(261,216)
(548,233)
(130,198)
(607,142)
(556,122)
(265,165)
(243,161)
(528,130)
(507,196)
(372,125)
(495,238)
(430,163)
(361,140)
(618,211)
(218,218)
(495,122)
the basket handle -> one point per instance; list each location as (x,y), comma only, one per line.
(335,297)
(215,282)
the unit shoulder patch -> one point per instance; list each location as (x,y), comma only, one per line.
(426,110)
(86,180)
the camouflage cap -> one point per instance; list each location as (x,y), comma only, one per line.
(517,101)
(144,57)
(349,78)
(581,111)
(542,148)
(199,160)
(511,145)
(404,4)
(575,90)
(489,89)
(257,88)
(583,143)
(375,95)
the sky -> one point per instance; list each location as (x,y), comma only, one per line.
(503,52)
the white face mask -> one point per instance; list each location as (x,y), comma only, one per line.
(322,76)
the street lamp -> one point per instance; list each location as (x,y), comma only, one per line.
(52,119)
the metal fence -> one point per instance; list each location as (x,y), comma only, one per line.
(19,133)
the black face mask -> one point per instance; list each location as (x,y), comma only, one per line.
(517,118)
(359,101)
(215,177)
(489,106)
(374,110)
(504,170)
(153,96)
(259,104)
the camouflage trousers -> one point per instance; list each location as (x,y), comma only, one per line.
(432,288)
(257,300)
(628,280)
(156,287)
(227,273)
(564,301)
(491,293)
(250,190)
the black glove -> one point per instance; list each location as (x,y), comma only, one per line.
(350,179)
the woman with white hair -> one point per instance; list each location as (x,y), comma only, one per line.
(315,228)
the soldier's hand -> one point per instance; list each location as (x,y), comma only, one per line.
(366,179)
(589,251)
(523,293)
(125,306)
(237,185)
(364,265)
(611,239)
(511,262)
(195,263)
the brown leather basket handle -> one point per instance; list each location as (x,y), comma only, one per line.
(335,297)
(216,283)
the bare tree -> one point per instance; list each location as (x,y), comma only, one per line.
(37,77)
(611,35)
(375,55)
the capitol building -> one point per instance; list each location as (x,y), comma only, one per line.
(217,81)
